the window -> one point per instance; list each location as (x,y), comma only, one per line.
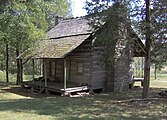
(80,68)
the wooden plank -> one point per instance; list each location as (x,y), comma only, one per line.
(82,50)
(75,89)
(138,79)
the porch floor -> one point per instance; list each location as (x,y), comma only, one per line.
(54,86)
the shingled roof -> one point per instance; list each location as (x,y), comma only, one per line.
(55,48)
(70,27)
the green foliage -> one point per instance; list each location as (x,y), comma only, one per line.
(12,77)
(58,7)
(2,76)
(158,27)
(159,32)
(24,22)
(95,7)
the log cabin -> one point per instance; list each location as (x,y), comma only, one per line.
(70,60)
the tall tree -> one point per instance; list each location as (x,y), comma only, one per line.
(159,33)
(23,22)
(150,23)
(148,51)
(4,40)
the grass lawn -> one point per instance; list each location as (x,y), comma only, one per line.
(20,105)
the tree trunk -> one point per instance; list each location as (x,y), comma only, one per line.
(155,72)
(18,68)
(147,58)
(7,64)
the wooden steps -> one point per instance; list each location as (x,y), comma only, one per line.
(68,91)
(75,89)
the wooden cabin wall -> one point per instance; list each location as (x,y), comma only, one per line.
(94,73)
(54,68)
(46,63)
(81,55)
(59,71)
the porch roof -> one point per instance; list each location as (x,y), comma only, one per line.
(54,48)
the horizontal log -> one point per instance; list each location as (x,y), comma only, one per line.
(79,54)
(82,51)
(98,75)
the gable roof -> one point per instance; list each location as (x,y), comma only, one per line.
(70,27)
(64,38)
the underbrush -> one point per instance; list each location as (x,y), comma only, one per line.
(2,76)
(12,77)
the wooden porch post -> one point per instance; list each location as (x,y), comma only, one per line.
(45,72)
(33,71)
(41,67)
(65,74)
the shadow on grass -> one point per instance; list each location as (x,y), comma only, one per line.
(74,109)
(100,107)
(3,84)
(24,92)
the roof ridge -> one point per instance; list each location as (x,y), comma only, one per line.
(70,26)
(68,19)
(72,35)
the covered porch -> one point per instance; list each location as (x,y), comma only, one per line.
(55,66)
